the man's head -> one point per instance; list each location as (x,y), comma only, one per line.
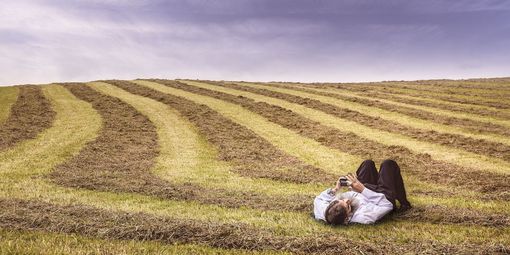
(338,211)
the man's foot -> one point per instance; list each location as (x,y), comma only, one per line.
(404,207)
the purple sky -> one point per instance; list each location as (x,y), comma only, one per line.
(259,40)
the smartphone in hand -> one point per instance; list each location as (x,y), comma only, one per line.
(344,182)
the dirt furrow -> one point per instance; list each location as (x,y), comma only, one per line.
(89,221)
(30,114)
(490,185)
(250,154)
(121,157)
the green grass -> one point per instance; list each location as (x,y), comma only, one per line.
(446,88)
(395,117)
(438,152)
(308,150)
(8,96)
(437,111)
(443,102)
(472,99)
(23,167)
(186,156)
(36,242)
(181,145)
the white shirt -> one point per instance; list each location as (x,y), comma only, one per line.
(372,206)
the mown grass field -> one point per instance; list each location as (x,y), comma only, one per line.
(207,167)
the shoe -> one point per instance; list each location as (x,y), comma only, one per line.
(404,207)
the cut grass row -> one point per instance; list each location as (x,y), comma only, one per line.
(474,122)
(251,154)
(415,99)
(389,120)
(440,105)
(39,242)
(40,216)
(455,157)
(29,115)
(418,165)
(476,145)
(20,179)
(332,115)
(122,156)
(147,103)
(307,128)
(186,158)
(463,99)
(8,96)
(490,93)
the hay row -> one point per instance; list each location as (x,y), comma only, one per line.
(29,115)
(383,119)
(474,142)
(8,96)
(472,122)
(361,131)
(77,122)
(43,242)
(454,216)
(463,99)
(412,99)
(436,105)
(122,156)
(275,114)
(185,158)
(40,216)
(337,140)
(439,87)
(348,120)
(250,154)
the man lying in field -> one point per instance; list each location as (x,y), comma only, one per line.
(372,195)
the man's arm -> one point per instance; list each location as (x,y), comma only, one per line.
(377,205)
(321,202)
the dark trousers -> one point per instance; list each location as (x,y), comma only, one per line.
(388,181)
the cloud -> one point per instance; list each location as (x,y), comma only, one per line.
(57,40)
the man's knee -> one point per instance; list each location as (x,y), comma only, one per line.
(389,163)
(368,162)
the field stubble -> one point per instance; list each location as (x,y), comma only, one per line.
(109,210)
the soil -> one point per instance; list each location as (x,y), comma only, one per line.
(29,115)
(490,185)
(99,223)
(250,154)
(121,157)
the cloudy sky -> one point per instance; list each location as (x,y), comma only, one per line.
(45,41)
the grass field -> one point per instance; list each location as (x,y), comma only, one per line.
(206,167)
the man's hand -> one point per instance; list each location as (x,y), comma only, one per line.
(337,187)
(355,184)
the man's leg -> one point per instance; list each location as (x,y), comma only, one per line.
(366,173)
(391,180)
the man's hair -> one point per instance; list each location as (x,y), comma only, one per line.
(335,214)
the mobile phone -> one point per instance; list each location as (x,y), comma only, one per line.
(344,182)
